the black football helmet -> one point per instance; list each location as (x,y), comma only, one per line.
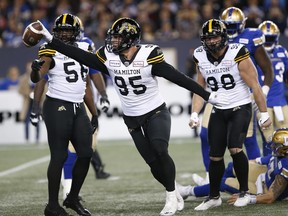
(213,28)
(65,23)
(128,30)
(279,144)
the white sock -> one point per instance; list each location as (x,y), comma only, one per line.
(66,186)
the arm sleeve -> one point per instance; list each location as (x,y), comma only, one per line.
(168,72)
(89,59)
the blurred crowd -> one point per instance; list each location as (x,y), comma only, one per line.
(159,19)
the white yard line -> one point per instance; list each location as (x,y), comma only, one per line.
(24,166)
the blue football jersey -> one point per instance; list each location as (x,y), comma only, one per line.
(252,38)
(277,166)
(279,59)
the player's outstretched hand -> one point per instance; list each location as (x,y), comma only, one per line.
(46,34)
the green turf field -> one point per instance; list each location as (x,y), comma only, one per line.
(131,191)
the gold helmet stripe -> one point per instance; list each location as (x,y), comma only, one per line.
(64,19)
(210,25)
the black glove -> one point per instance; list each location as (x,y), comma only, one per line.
(104,104)
(34,119)
(37,64)
(94,123)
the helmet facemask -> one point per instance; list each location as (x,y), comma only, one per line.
(211,29)
(235,21)
(66,28)
(271,33)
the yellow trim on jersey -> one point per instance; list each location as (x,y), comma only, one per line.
(46,52)
(100,57)
(157,59)
(240,58)
(284,172)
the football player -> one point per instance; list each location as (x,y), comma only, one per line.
(275,180)
(133,68)
(64,113)
(276,100)
(253,39)
(100,89)
(268,179)
(228,69)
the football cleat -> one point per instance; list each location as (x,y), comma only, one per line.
(171,205)
(199,180)
(101,174)
(55,212)
(209,203)
(184,191)
(75,205)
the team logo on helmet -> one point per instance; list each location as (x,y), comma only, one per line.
(271,33)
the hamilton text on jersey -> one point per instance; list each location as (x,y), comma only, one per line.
(218,70)
(127,72)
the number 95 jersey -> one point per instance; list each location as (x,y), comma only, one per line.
(222,75)
(133,80)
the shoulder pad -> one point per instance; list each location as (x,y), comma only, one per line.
(46,50)
(156,55)
(243,52)
(100,53)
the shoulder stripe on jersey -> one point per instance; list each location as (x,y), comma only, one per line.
(240,58)
(284,173)
(100,57)
(49,52)
(157,59)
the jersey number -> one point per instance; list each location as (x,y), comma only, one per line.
(227,82)
(138,88)
(73,75)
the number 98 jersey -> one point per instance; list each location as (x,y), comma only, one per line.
(222,75)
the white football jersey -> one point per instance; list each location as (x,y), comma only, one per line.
(136,86)
(223,76)
(67,79)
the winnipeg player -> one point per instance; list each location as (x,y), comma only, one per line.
(276,101)
(275,181)
(133,69)
(227,69)
(65,115)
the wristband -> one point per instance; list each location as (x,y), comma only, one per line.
(258,160)
(264,115)
(194,115)
(265,90)
(253,199)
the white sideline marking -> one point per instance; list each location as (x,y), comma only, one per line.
(24,166)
